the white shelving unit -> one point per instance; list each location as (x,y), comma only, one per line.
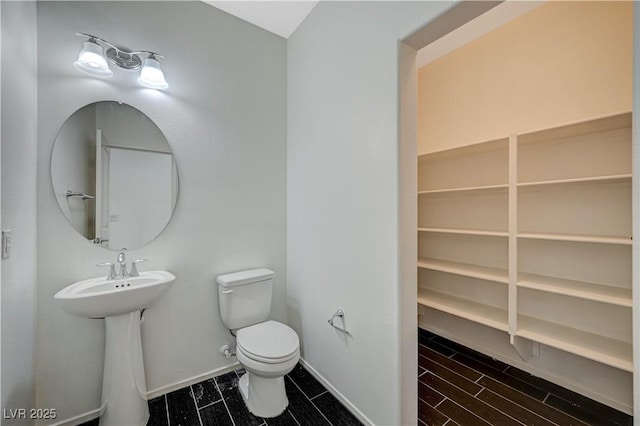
(531,235)
(464,308)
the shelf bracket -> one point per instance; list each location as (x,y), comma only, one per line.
(524,347)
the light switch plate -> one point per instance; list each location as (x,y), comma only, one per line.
(6,243)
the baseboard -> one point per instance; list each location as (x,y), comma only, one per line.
(192,381)
(90,415)
(81,418)
(336,393)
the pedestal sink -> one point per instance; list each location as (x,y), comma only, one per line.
(119,302)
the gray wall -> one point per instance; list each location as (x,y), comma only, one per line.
(343,188)
(224,116)
(19,154)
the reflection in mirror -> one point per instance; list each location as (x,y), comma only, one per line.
(114,175)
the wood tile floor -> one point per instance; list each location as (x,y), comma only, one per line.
(458,386)
(217,402)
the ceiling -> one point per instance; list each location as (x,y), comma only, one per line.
(278,17)
(282,17)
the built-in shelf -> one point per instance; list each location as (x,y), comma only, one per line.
(567,187)
(477,312)
(577,238)
(465,232)
(503,187)
(596,292)
(591,179)
(465,269)
(592,346)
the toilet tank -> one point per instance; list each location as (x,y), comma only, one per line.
(245,297)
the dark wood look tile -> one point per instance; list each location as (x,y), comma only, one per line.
(451,364)
(205,393)
(542,383)
(302,408)
(215,414)
(608,414)
(430,416)
(589,414)
(158,412)
(92,422)
(532,404)
(424,336)
(587,404)
(421,370)
(228,386)
(429,395)
(450,376)
(182,408)
(284,419)
(334,411)
(479,408)
(461,415)
(308,384)
(514,410)
(526,398)
(492,362)
(440,348)
(524,387)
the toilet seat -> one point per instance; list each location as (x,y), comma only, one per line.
(270,342)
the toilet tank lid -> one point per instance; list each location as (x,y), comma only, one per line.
(245,277)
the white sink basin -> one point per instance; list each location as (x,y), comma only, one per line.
(100,298)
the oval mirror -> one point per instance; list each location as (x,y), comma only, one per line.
(114,175)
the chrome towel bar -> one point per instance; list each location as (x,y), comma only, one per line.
(68,193)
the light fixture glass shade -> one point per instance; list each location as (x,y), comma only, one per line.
(92,61)
(151,74)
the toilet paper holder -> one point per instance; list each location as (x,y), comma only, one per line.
(339,314)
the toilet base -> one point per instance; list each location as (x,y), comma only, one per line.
(264,397)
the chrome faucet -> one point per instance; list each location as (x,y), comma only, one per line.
(123,266)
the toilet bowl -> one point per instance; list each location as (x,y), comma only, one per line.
(266,349)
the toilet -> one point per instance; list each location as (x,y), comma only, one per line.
(266,349)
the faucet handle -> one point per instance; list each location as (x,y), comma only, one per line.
(134,268)
(112,270)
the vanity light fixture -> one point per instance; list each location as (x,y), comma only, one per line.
(91,60)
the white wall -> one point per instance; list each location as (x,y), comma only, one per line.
(343,237)
(129,128)
(224,116)
(19,154)
(74,169)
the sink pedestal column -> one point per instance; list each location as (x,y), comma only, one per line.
(124,389)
